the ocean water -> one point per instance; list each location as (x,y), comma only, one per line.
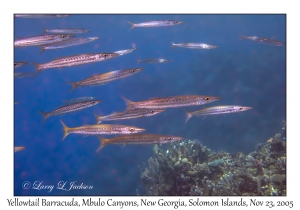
(241,72)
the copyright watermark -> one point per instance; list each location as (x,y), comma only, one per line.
(61,185)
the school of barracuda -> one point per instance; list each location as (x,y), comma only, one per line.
(58,38)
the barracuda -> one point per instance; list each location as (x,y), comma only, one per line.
(195,46)
(74,60)
(17,149)
(102,79)
(68,43)
(263,40)
(101,129)
(170,102)
(216,110)
(41,40)
(66,30)
(70,108)
(139,139)
(159,23)
(136,113)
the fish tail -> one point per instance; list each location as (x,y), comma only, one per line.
(66,130)
(44,30)
(132,25)
(74,85)
(188,115)
(42,50)
(103,143)
(129,104)
(45,115)
(243,36)
(173,45)
(38,67)
(99,118)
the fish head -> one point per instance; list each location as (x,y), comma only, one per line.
(123,52)
(207,99)
(165,61)
(131,129)
(94,102)
(167,139)
(66,36)
(93,38)
(176,22)
(83,31)
(154,112)
(104,56)
(214,47)
(136,70)
(242,108)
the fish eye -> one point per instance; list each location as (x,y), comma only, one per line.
(207,98)
(152,111)
(241,108)
(63,36)
(170,138)
(133,71)
(105,55)
(93,102)
(15,64)
(176,21)
(131,129)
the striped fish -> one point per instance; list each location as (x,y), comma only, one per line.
(158,23)
(101,129)
(74,60)
(139,139)
(136,113)
(102,79)
(170,102)
(41,40)
(70,108)
(216,110)
(68,43)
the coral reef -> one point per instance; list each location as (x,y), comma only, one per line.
(190,168)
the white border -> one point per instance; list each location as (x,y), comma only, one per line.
(153,6)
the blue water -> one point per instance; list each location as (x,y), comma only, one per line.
(241,72)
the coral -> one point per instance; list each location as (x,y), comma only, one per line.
(190,168)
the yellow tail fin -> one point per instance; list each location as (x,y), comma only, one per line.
(66,130)
(103,141)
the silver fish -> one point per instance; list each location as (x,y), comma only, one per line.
(70,108)
(159,23)
(101,129)
(139,139)
(80,99)
(39,16)
(66,30)
(68,43)
(195,46)
(23,74)
(216,110)
(136,113)
(19,64)
(102,79)
(17,149)
(170,102)
(41,40)
(74,60)
(124,52)
(154,60)
(263,40)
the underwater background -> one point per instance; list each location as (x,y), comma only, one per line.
(241,72)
